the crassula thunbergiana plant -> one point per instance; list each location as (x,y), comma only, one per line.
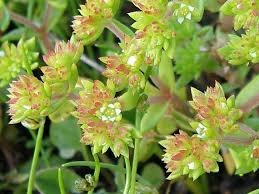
(140,78)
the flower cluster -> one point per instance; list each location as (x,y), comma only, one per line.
(32,99)
(101,119)
(245,12)
(151,6)
(216,114)
(185,11)
(61,73)
(217,117)
(28,101)
(94,16)
(154,33)
(14,60)
(242,50)
(246,157)
(190,155)
(123,72)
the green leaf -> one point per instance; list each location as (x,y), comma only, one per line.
(12,35)
(126,30)
(249,92)
(154,174)
(128,100)
(66,137)
(153,115)
(212,5)
(253,122)
(166,72)
(166,126)
(4,18)
(254,192)
(59,7)
(120,175)
(47,181)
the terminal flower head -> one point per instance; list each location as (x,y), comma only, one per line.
(28,101)
(192,156)
(101,119)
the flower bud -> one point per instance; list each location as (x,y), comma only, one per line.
(217,114)
(94,16)
(100,116)
(190,155)
(17,59)
(28,101)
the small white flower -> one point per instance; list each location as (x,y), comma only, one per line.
(180,20)
(102,109)
(2,53)
(118,111)
(132,60)
(27,107)
(183,5)
(191,8)
(191,166)
(104,118)
(189,16)
(253,54)
(111,106)
(201,130)
(223,105)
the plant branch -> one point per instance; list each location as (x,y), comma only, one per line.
(96,171)
(92,63)
(134,166)
(250,104)
(23,20)
(35,157)
(61,182)
(128,171)
(115,30)
(91,164)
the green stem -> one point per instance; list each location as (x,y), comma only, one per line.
(128,174)
(91,164)
(97,168)
(96,171)
(61,182)
(134,166)
(85,152)
(194,187)
(45,159)
(35,157)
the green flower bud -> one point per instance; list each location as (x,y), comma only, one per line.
(15,60)
(154,7)
(246,157)
(94,16)
(186,11)
(86,184)
(28,101)
(242,50)
(192,156)
(123,72)
(217,115)
(60,76)
(245,12)
(100,116)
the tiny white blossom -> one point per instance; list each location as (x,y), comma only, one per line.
(180,20)
(132,60)
(191,166)
(253,54)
